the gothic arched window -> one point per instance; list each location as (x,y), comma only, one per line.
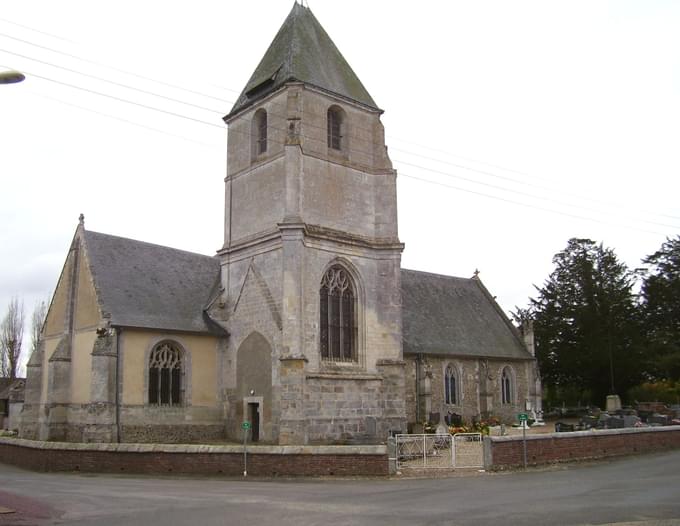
(451,386)
(337,307)
(165,374)
(260,132)
(335,127)
(507,385)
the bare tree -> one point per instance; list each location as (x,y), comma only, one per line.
(11,338)
(37,320)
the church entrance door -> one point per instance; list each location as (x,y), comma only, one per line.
(254,418)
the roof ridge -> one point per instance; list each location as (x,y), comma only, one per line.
(148,243)
(437,274)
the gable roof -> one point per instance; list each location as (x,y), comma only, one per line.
(8,386)
(452,316)
(5,384)
(151,286)
(302,51)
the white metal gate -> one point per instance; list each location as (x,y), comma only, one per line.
(468,450)
(463,450)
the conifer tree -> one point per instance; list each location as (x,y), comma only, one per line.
(586,326)
(661,310)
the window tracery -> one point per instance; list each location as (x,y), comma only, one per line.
(165,374)
(337,306)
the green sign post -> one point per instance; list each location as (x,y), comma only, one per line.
(246,427)
(522,417)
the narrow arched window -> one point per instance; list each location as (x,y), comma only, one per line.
(165,374)
(337,306)
(335,128)
(260,131)
(451,395)
(507,387)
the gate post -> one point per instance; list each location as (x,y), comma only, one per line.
(488,453)
(392,455)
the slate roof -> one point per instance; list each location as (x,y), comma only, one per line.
(7,386)
(4,387)
(151,286)
(452,316)
(303,51)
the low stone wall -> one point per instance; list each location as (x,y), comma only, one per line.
(507,452)
(156,459)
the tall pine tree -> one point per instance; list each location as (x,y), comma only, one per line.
(586,324)
(661,309)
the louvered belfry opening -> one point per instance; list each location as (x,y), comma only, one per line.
(337,302)
(334,121)
(261,131)
(165,375)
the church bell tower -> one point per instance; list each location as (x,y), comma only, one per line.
(311,254)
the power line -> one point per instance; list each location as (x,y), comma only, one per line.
(413,165)
(120,99)
(419,179)
(541,187)
(37,30)
(475,170)
(119,84)
(483,172)
(412,177)
(113,68)
(527,205)
(127,121)
(525,194)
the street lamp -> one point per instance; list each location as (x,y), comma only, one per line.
(11,77)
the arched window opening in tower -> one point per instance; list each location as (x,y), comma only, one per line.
(260,132)
(335,122)
(338,330)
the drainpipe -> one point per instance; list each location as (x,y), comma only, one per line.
(118,375)
(419,365)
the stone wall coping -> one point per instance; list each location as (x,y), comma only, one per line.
(344,376)
(588,433)
(198,448)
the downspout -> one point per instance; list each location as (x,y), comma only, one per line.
(117,392)
(419,364)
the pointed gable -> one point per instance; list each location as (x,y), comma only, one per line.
(302,51)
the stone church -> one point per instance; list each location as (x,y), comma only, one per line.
(304,323)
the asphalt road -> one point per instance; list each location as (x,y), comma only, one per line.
(641,490)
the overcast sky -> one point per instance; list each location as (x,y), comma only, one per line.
(513,126)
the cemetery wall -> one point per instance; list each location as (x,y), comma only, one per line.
(226,460)
(507,452)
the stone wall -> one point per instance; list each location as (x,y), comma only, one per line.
(479,391)
(343,409)
(172,433)
(264,461)
(507,452)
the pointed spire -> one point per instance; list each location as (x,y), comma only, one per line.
(302,51)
